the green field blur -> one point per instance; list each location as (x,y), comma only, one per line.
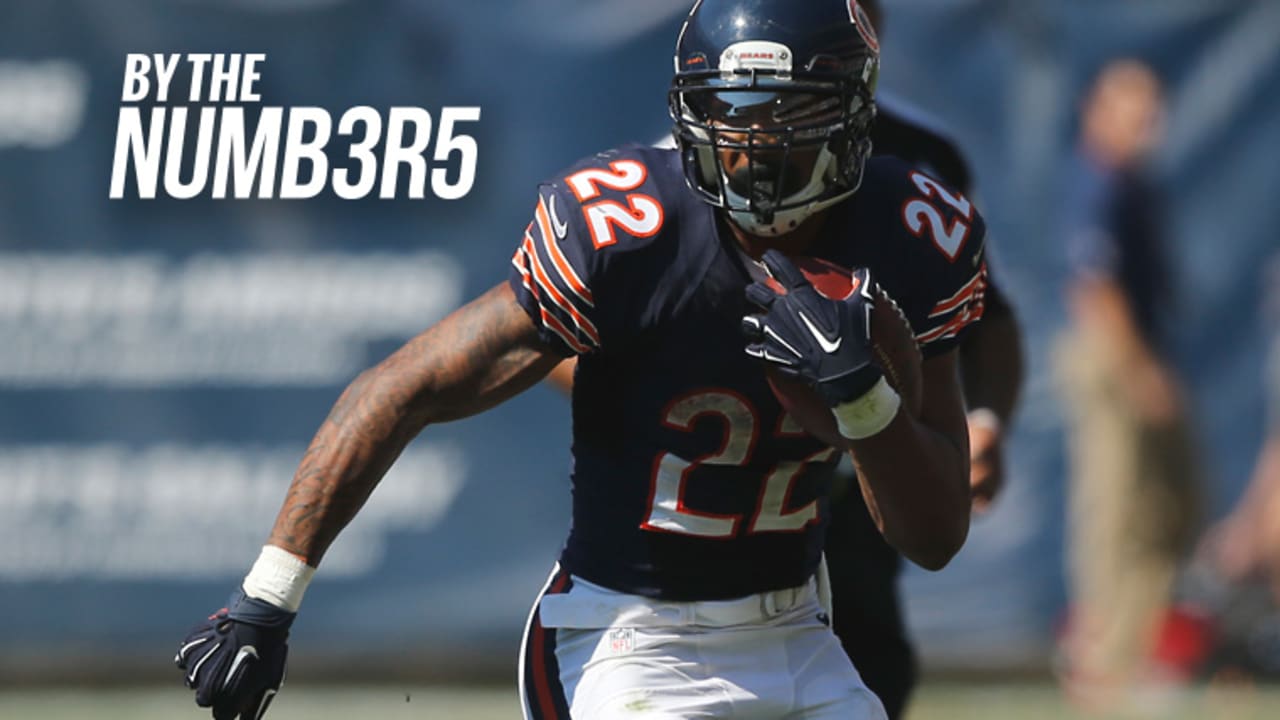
(951,701)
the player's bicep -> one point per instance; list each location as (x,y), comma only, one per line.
(561,377)
(480,355)
(943,407)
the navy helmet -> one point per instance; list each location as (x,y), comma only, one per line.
(772,103)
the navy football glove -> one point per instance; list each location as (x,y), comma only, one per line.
(822,342)
(235,660)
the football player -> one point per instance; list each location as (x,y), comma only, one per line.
(686,586)
(864,569)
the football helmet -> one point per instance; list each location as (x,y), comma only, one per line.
(772,104)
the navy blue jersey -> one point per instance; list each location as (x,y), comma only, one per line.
(688,481)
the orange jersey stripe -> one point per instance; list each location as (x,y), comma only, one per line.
(555,326)
(967,316)
(544,281)
(966,293)
(549,321)
(558,259)
(523,266)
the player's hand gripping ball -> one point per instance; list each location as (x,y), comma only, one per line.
(827,335)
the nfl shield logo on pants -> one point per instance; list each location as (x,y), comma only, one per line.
(622,641)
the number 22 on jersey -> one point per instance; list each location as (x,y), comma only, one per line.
(919,211)
(667,510)
(641,216)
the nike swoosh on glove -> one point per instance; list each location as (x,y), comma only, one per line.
(235,660)
(823,342)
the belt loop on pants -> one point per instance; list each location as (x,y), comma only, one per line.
(773,603)
(753,608)
(769,604)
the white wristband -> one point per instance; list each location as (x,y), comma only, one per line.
(869,414)
(985,418)
(278,577)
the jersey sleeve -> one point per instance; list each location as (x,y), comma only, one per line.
(945,236)
(592,270)
(949,319)
(552,274)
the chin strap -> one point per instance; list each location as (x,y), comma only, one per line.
(784,221)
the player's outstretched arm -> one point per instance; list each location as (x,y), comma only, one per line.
(482,354)
(479,356)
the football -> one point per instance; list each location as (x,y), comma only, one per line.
(892,340)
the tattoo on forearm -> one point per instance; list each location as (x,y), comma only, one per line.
(477,357)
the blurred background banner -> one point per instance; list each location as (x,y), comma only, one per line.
(163,363)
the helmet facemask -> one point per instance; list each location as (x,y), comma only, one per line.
(770,150)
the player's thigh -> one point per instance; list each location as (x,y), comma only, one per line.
(629,672)
(826,684)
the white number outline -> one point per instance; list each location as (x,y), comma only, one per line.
(667,511)
(915,212)
(641,216)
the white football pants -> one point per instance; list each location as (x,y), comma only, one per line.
(594,654)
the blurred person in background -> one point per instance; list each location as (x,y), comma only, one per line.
(1133,481)
(863,567)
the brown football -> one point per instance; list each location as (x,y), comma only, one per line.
(891,338)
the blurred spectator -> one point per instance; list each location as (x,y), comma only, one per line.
(1133,485)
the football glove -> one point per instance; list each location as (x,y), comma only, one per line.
(822,342)
(235,660)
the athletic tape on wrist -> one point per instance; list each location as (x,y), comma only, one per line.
(278,577)
(869,414)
